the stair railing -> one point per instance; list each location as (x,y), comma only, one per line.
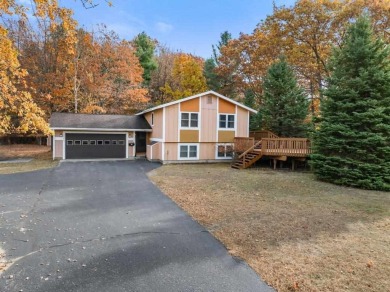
(243,155)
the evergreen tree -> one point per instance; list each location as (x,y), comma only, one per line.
(212,79)
(352,145)
(145,48)
(285,105)
(250,101)
(225,38)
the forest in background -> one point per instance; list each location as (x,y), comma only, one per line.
(48,63)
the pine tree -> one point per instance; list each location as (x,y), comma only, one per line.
(145,48)
(212,78)
(285,105)
(352,145)
(250,101)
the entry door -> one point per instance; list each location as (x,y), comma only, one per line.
(140,142)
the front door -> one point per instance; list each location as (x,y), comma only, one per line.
(140,142)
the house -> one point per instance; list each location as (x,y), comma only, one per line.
(199,128)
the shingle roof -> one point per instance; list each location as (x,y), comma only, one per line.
(89,121)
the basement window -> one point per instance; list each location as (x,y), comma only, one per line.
(224,151)
(188,151)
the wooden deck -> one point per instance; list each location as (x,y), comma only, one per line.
(250,149)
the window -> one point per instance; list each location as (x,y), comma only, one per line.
(100,142)
(152,119)
(189,120)
(226,121)
(121,142)
(92,142)
(77,142)
(114,142)
(188,152)
(224,151)
(85,142)
(69,142)
(107,142)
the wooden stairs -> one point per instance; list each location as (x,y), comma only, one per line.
(249,157)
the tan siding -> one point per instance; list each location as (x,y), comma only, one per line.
(207,151)
(157,151)
(130,150)
(171,151)
(157,128)
(242,122)
(191,105)
(189,136)
(171,123)
(226,107)
(208,119)
(58,149)
(58,133)
(226,136)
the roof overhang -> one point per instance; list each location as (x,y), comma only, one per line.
(196,96)
(99,129)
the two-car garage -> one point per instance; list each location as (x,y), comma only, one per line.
(89,146)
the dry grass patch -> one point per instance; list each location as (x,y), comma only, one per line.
(296,232)
(42,158)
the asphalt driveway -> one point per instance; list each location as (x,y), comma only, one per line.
(104,226)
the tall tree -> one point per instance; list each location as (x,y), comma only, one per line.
(212,78)
(225,38)
(145,50)
(352,145)
(187,78)
(250,101)
(285,104)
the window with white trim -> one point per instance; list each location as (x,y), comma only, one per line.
(188,151)
(189,120)
(224,151)
(226,121)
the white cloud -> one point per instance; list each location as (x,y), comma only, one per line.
(164,27)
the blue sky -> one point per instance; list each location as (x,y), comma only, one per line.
(188,26)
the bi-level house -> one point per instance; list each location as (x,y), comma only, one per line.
(199,128)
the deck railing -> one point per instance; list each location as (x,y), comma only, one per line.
(241,144)
(258,135)
(286,146)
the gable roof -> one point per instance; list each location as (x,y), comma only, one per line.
(101,122)
(196,96)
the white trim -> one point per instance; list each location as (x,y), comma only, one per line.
(178,121)
(235,122)
(228,129)
(195,96)
(58,138)
(189,121)
(163,137)
(134,153)
(247,127)
(156,139)
(217,127)
(200,119)
(188,144)
(216,151)
(95,130)
(127,145)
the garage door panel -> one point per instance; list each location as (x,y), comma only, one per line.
(89,146)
